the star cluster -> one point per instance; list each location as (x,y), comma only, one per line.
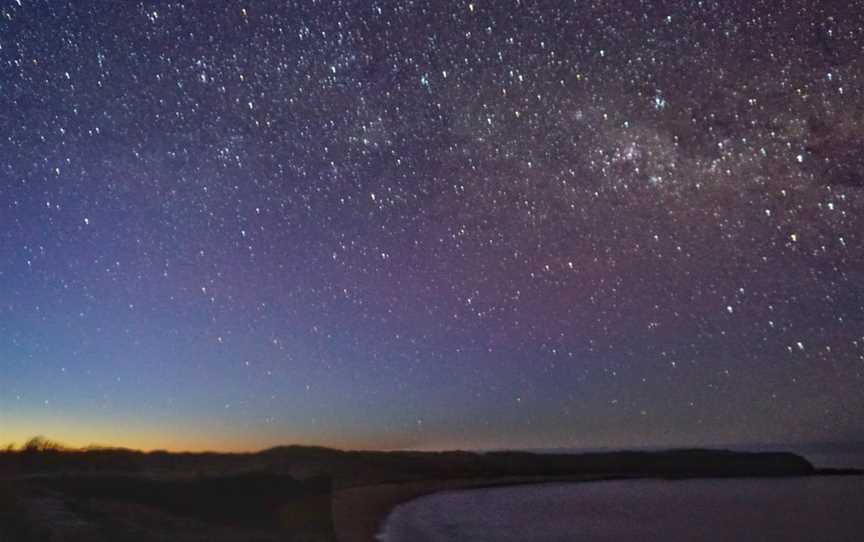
(431,224)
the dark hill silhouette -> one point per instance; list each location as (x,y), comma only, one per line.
(291,488)
(348,468)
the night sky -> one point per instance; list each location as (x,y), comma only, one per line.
(413,224)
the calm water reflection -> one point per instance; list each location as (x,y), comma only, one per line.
(790,509)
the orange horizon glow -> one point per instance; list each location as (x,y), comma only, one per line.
(151,441)
(177,447)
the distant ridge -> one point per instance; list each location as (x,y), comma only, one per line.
(360,467)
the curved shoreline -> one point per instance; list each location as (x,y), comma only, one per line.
(359,513)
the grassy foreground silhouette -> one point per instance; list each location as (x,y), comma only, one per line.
(52,492)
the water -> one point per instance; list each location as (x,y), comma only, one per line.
(835,460)
(802,509)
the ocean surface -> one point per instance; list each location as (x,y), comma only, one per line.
(828,509)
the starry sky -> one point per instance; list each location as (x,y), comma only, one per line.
(431,224)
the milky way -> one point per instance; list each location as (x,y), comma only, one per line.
(431,224)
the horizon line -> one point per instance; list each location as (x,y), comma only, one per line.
(752,446)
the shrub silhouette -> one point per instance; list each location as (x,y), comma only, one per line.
(40,444)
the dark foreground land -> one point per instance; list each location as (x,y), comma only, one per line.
(292,493)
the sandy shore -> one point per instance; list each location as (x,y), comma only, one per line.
(359,512)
